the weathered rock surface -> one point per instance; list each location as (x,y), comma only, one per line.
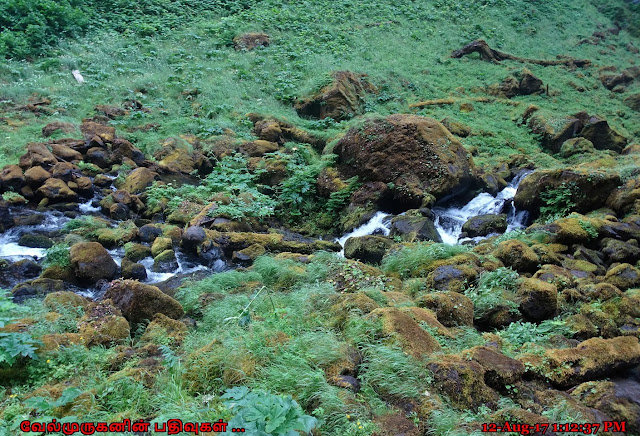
(138,301)
(91,262)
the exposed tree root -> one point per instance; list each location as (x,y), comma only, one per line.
(491,55)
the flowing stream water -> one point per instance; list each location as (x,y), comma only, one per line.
(449,220)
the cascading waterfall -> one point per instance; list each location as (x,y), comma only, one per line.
(449,220)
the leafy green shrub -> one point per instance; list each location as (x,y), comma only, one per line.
(57,255)
(13,345)
(494,290)
(520,333)
(414,258)
(262,413)
(558,202)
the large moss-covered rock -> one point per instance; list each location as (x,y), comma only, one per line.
(57,190)
(499,369)
(34,176)
(36,288)
(402,328)
(103,324)
(273,242)
(592,359)
(517,255)
(555,131)
(586,190)
(462,380)
(65,300)
(342,99)
(138,301)
(138,180)
(575,146)
(368,248)
(91,262)
(161,244)
(453,278)
(623,276)
(163,328)
(165,262)
(12,176)
(619,400)
(133,270)
(418,155)
(451,308)
(483,225)
(37,155)
(538,299)
(414,228)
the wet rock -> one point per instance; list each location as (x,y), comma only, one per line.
(623,276)
(36,176)
(603,137)
(102,180)
(620,251)
(538,299)
(57,190)
(36,288)
(250,41)
(462,381)
(416,155)
(12,177)
(414,228)
(592,359)
(119,212)
(589,190)
(247,255)
(65,153)
(6,218)
(165,262)
(103,325)
(517,255)
(499,370)
(123,149)
(342,99)
(132,270)
(37,155)
(575,146)
(149,233)
(161,244)
(34,240)
(483,225)
(136,252)
(451,308)
(411,337)
(193,237)
(138,301)
(138,180)
(91,262)
(56,126)
(370,248)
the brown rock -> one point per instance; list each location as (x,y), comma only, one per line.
(250,41)
(65,153)
(92,262)
(37,154)
(12,177)
(63,171)
(51,128)
(91,129)
(138,180)
(418,155)
(57,190)
(603,137)
(139,301)
(411,337)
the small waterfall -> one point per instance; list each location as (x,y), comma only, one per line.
(449,221)
(380,222)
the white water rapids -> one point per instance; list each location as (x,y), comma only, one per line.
(449,220)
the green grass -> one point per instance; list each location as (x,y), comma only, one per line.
(412,260)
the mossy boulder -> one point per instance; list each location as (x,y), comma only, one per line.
(273,242)
(538,299)
(163,328)
(592,359)
(587,190)
(103,325)
(126,231)
(483,225)
(37,155)
(246,256)
(136,252)
(161,244)
(92,262)
(414,228)
(603,136)
(66,300)
(357,304)
(138,301)
(575,146)
(418,155)
(499,370)
(620,251)
(34,176)
(623,276)
(138,180)
(453,278)
(619,400)
(36,288)
(165,262)
(401,328)
(555,131)
(92,129)
(451,308)
(54,341)
(462,380)
(517,255)
(341,99)
(370,248)
(133,270)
